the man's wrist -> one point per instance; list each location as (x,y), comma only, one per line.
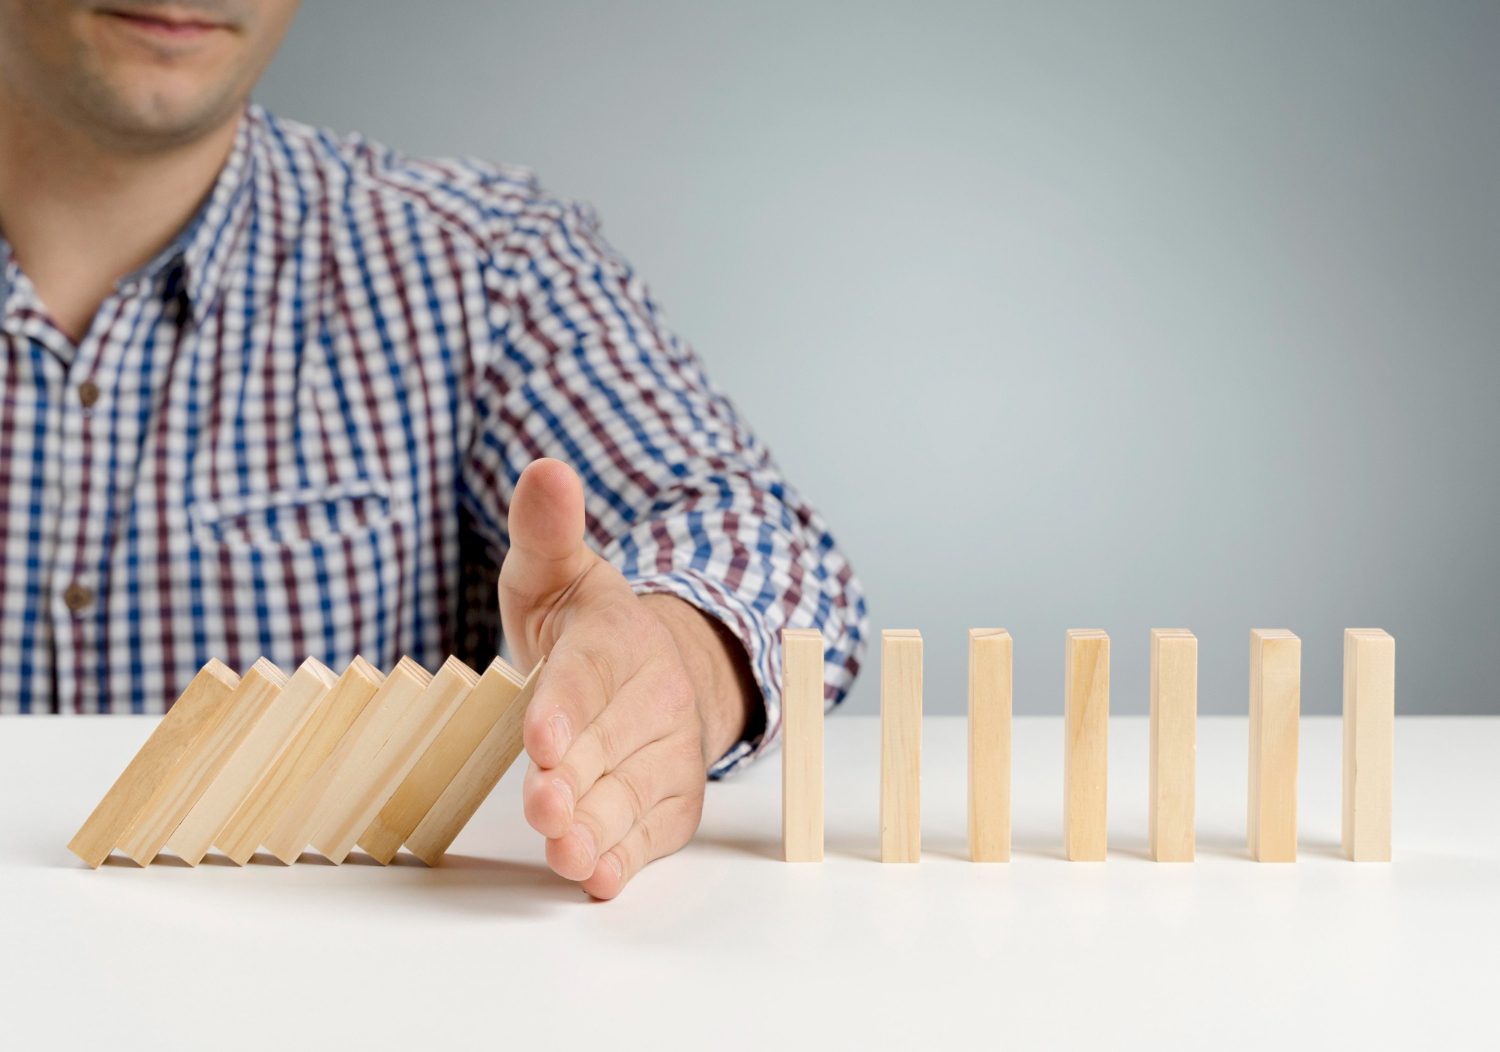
(718,668)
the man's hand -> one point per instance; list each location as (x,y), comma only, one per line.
(640,693)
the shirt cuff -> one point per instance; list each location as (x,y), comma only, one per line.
(745,625)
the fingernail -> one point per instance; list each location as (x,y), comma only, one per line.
(587,840)
(567,792)
(562,736)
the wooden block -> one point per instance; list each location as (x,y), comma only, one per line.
(173,801)
(286,705)
(900,745)
(288,804)
(299,763)
(1275,704)
(1174,744)
(370,785)
(173,744)
(989,744)
(1086,745)
(484,705)
(802,744)
(482,770)
(1369,742)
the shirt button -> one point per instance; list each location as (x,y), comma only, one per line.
(77,597)
(88,393)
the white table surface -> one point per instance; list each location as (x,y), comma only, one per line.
(725,945)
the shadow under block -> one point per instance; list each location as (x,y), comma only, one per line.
(373,783)
(289,804)
(802,744)
(1369,742)
(1174,744)
(286,704)
(485,704)
(1086,745)
(990,653)
(299,763)
(1275,704)
(172,747)
(159,821)
(900,745)
(481,771)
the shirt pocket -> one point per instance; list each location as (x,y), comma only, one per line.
(297,518)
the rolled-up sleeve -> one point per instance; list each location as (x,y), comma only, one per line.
(680,494)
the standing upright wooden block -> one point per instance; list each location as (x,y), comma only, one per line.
(291,701)
(1174,743)
(802,744)
(483,769)
(1086,745)
(900,745)
(1275,706)
(279,794)
(175,798)
(372,783)
(1369,741)
(173,745)
(989,744)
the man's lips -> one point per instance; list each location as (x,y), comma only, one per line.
(164,23)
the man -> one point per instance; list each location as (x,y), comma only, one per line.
(268,391)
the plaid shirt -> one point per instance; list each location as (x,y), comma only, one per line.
(296,432)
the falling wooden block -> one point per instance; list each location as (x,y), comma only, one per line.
(245,708)
(900,745)
(173,746)
(1369,741)
(989,744)
(802,744)
(371,783)
(484,705)
(1275,704)
(482,770)
(297,766)
(1174,744)
(1086,745)
(286,704)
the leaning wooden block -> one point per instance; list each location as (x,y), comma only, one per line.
(484,705)
(1086,745)
(299,763)
(1275,706)
(285,705)
(900,745)
(482,770)
(158,822)
(1174,744)
(802,744)
(288,808)
(172,746)
(373,783)
(1369,742)
(989,744)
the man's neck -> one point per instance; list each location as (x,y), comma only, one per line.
(80,216)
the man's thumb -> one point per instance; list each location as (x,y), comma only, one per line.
(547,552)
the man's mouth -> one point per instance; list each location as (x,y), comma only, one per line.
(180,25)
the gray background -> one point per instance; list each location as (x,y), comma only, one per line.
(1095,315)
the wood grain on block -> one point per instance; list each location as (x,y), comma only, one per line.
(419,724)
(482,770)
(244,709)
(171,745)
(1275,706)
(285,704)
(1174,744)
(1086,746)
(1369,743)
(447,754)
(802,744)
(900,745)
(989,744)
(289,806)
(333,710)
